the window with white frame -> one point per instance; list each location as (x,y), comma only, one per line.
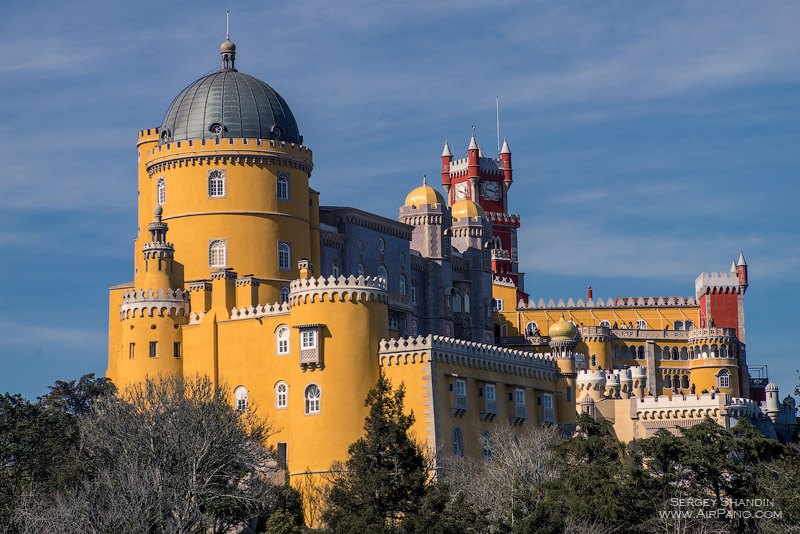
(498,304)
(335,269)
(217,254)
(282,336)
(531,329)
(486,444)
(641,324)
(605,323)
(283,186)
(490,398)
(284,255)
(548,413)
(216,183)
(724,379)
(284,294)
(461,387)
(240,397)
(678,325)
(313,396)
(519,397)
(281,395)
(308,339)
(458,442)
(161,191)
(402,284)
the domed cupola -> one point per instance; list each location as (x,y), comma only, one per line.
(229,104)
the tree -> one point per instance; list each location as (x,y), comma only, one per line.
(166,455)
(522,460)
(384,478)
(40,442)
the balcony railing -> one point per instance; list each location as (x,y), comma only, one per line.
(461,402)
(499,254)
(520,411)
(490,406)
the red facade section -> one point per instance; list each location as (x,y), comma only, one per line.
(725,310)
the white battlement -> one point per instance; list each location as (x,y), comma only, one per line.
(342,288)
(716,282)
(160,302)
(618,302)
(397,351)
(254,312)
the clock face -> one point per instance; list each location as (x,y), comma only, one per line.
(490,190)
(462,191)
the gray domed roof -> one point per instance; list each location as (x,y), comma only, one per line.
(244,106)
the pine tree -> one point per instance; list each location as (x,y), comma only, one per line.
(384,478)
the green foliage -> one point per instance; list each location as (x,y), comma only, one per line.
(40,442)
(385,475)
(441,513)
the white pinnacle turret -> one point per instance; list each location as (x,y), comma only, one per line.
(741,261)
(733,266)
(505,149)
(473,145)
(446,152)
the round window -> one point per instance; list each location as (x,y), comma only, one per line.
(381,244)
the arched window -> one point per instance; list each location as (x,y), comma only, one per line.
(724,379)
(457,302)
(466,302)
(688,325)
(641,324)
(531,329)
(284,255)
(458,442)
(335,269)
(284,294)
(161,191)
(413,294)
(678,325)
(605,323)
(313,395)
(216,183)
(360,269)
(382,272)
(283,186)
(402,285)
(281,395)
(282,335)
(240,398)
(685,381)
(486,444)
(641,352)
(217,254)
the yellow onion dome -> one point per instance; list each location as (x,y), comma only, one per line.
(466,208)
(563,330)
(422,195)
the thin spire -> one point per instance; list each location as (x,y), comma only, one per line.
(473,145)
(497,117)
(227,48)
(424,179)
(227,25)
(733,266)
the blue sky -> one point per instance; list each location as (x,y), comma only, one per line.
(651,140)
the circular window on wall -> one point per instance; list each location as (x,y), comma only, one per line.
(381,244)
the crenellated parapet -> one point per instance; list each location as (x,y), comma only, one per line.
(693,407)
(228,151)
(459,352)
(162,302)
(712,335)
(332,289)
(158,250)
(716,283)
(509,219)
(265,310)
(612,302)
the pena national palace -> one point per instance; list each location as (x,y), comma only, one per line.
(242,274)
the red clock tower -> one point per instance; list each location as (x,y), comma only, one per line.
(486,181)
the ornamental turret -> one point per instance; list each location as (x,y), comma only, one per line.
(160,269)
(741,273)
(447,160)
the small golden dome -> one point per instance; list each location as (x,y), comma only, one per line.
(422,195)
(466,208)
(563,330)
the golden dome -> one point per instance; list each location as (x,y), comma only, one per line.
(563,330)
(422,195)
(466,208)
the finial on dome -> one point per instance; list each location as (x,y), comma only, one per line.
(424,179)
(227,48)
(158,211)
